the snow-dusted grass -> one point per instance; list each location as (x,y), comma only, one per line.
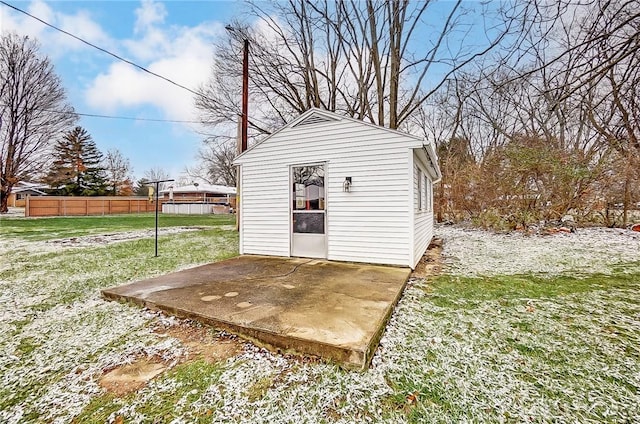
(555,336)
(59,335)
(471,252)
(50,228)
(569,358)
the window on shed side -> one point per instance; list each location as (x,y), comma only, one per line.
(428,193)
(419,203)
(425,193)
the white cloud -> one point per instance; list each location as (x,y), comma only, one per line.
(83,26)
(149,14)
(41,10)
(153,39)
(152,45)
(180,53)
(185,58)
(22,24)
(57,44)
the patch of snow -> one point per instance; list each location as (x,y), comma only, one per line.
(13,213)
(105,239)
(472,252)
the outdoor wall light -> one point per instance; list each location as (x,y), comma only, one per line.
(346,185)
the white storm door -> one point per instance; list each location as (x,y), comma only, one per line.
(308,214)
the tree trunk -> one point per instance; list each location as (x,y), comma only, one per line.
(627,195)
(375,59)
(5,192)
(395,40)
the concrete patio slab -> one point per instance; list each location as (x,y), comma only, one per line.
(333,310)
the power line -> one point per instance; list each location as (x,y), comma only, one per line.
(131,118)
(128,118)
(142,68)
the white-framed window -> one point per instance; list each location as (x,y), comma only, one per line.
(428,193)
(425,193)
(420,189)
(424,201)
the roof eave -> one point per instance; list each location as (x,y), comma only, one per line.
(432,159)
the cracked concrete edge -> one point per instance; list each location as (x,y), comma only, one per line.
(344,357)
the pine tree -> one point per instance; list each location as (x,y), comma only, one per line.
(142,187)
(76,169)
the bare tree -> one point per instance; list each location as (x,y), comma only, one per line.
(546,118)
(542,102)
(118,170)
(33,111)
(216,162)
(366,59)
(613,88)
(157,174)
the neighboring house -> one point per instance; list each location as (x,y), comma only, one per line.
(20,191)
(328,186)
(206,193)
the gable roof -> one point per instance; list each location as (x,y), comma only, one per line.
(315,116)
(29,184)
(28,190)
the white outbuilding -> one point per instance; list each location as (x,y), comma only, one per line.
(332,187)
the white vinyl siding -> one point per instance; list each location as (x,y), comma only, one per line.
(370,223)
(423,217)
(264,211)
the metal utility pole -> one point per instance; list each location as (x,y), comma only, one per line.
(157,187)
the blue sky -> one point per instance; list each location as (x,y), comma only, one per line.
(172,38)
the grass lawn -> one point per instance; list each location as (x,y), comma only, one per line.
(471,345)
(57,227)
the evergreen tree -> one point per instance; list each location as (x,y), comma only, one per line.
(142,187)
(76,169)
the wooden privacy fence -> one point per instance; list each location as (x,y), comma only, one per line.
(78,206)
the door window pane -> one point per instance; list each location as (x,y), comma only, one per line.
(308,188)
(309,223)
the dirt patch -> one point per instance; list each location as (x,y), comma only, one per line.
(200,342)
(203,342)
(431,262)
(131,377)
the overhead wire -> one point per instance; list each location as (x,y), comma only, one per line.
(142,68)
(131,118)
